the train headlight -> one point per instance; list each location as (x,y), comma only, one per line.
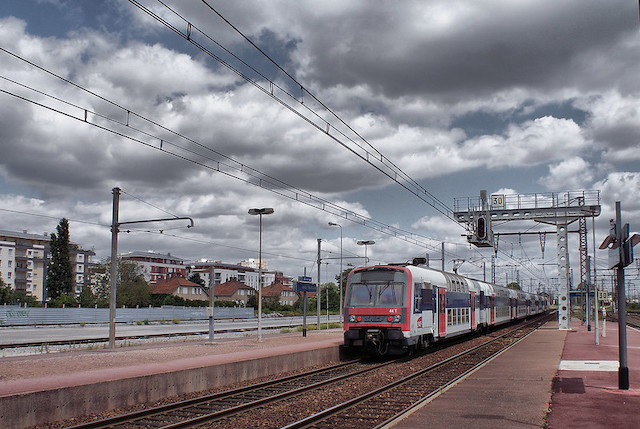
(396,318)
(352,318)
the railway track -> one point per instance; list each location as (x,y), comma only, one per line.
(222,405)
(377,408)
(633,319)
(328,397)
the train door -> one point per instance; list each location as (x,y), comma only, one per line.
(472,309)
(492,305)
(442,312)
(483,308)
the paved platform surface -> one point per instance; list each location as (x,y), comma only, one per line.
(585,392)
(23,374)
(40,389)
(561,371)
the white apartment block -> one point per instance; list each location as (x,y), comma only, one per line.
(24,257)
(223,272)
(253,263)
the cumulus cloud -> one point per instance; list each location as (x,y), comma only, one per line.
(573,173)
(530,143)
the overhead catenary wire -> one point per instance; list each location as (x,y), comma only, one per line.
(375,159)
(231,168)
(255,176)
(158,232)
(393,171)
(435,201)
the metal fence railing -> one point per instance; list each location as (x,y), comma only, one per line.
(15,315)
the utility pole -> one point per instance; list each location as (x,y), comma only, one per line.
(114,267)
(318,289)
(115,228)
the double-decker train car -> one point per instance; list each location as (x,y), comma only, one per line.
(392,309)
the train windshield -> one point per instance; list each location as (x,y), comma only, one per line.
(380,288)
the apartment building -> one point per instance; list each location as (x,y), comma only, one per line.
(223,272)
(157,266)
(24,258)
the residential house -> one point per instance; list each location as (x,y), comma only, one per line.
(286,295)
(234,291)
(181,287)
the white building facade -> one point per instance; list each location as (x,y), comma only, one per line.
(24,258)
(223,272)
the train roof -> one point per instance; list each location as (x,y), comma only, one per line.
(447,277)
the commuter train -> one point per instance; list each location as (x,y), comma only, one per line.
(398,308)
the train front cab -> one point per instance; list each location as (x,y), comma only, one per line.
(376,309)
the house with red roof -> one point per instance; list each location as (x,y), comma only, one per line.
(234,291)
(181,287)
(286,295)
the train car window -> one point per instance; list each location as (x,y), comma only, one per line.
(390,294)
(426,304)
(361,294)
(379,288)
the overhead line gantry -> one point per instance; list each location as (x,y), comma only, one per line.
(559,209)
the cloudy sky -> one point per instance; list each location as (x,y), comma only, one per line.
(384,111)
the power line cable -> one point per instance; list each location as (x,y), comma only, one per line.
(289,192)
(377,160)
(237,168)
(277,186)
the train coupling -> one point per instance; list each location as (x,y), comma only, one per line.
(375,341)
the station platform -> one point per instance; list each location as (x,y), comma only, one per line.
(551,379)
(40,389)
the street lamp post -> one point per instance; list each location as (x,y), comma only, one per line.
(366,243)
(260,212)
(340,288)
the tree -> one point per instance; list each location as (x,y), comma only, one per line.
(64,300)
(87,298)
(195,277)
(98,282)
(132,288)
(334,300)
(59,271)
(345,274)
(19,297)
(5,293)
(514,285)
(252,301)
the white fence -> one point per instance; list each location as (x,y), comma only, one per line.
(14,315)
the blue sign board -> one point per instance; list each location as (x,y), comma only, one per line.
(304,279)
(304,286)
